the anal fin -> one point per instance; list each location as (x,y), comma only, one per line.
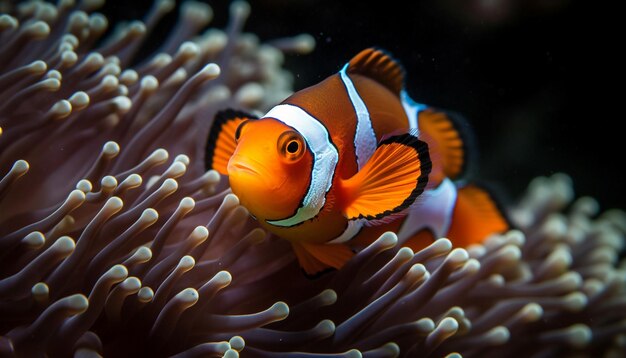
(315,258)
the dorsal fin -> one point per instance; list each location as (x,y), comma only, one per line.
(379,66)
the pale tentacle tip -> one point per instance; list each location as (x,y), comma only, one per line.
(425,325)
(108,182)
(230,200)
(240,9)
(38,67)
(391,349)
(223,278)
(510,253)
(237,343)
(118,272)
(575,301)
(149,83)
(388,239)
(188,49)
(131,284)
(280,310)
(84,185)
(40,289)
(183,158)
(160,155)
(187,204)
(169,185)
(145,294)
(353,353)
(579,335)
(51,84)
(38,29)
(188,295)
(98,23)
(111,149)
(326,328)
(65,245)
(34,240)
(79,100)
(416,272)
(137,28)
(441,245)
(186,263)
(328,297)
(77,303)
(200,233)
(498,335)
(149,216)
(212,176)
(143,254)
(458,257)
(210,71)
(20,167)
(165,6)
(177,169)
(532,312)
(305,43)
(8,22)
(122,104)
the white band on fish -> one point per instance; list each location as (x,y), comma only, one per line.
(433,210)
(325,157)
(412,109)
(353,228)
(365,139)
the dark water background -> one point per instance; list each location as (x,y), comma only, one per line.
(534,78)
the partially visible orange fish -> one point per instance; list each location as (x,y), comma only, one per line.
(335,165)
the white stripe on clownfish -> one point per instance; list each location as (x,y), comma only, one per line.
(412,110)
(325,158)
(364,138)
(353,228)
(433,210)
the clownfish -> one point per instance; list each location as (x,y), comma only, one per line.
(335,165)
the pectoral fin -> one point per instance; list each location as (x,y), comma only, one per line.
(390,181)
(222,142)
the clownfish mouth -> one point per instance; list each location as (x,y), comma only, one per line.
(241,168)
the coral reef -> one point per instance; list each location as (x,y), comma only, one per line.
(114,241)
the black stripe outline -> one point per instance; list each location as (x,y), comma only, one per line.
(300,204)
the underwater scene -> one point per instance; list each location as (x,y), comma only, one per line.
(314,178)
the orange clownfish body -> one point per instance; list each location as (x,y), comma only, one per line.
(337,164)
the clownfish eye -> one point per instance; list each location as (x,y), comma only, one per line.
(291,145)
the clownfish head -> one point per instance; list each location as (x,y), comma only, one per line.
(270,168)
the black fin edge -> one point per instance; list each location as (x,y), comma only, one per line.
(421,148)
(393,59)
(468,138)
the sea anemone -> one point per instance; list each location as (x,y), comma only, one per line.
(115,241)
